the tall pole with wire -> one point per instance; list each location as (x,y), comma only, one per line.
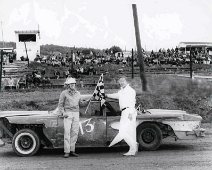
(26,53)
(132,64)
(2,34)
(139,49)
(1,56)
(190,56)
(1,65)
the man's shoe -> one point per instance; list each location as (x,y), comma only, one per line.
(73,154)
(66,155)
(130,153)
(137,148)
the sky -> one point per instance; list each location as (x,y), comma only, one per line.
(104,23)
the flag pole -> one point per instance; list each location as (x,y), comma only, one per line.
(93,94)
(87,106)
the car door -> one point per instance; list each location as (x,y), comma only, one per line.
(92,127)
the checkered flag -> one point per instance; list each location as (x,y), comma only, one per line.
(99,92)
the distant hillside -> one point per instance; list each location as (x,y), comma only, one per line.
(48,49)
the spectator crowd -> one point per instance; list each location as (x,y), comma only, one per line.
(76,63)
(179,57)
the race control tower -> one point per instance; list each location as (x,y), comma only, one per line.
(27,44)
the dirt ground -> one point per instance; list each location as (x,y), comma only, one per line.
(183,155)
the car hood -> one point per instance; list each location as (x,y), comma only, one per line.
(22,113)
(166,112)
(169,114)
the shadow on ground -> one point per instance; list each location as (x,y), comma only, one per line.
(96,150)
(92,150)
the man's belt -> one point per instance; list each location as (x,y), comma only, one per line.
(124,108)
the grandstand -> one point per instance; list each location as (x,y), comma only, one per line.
(198,46)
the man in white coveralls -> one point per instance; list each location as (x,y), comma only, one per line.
(127,126)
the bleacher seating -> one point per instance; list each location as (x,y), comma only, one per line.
(15,69)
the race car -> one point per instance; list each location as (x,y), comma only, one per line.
(29,131)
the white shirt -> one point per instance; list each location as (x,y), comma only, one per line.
(126,96)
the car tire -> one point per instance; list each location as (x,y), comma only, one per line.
(25,142)
(149,136)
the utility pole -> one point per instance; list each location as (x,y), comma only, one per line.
(1,65)
(191,64)
(72,61)
(139,49)
(38,31)
(2,34)
(1,57)
(132,64)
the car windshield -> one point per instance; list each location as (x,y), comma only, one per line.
(112,108)
(94,108)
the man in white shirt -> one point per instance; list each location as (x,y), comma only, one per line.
(127,126)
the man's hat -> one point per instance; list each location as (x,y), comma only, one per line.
(70,81)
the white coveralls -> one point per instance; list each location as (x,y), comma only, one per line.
(127,127)
(69,102)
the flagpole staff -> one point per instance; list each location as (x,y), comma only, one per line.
(87,106)
(89,103)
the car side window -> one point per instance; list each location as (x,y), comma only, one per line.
(93,109)
(112,108)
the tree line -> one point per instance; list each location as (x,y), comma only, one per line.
(48,49)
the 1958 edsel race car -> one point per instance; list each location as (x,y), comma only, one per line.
(28,131)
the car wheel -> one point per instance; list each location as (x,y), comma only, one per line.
(149,136)
(26,142)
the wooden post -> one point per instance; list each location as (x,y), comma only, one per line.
(72,61)
(191,69)
(132,64)
(1,65)
(2,35)
(72,65)
(139,49)
(26,52)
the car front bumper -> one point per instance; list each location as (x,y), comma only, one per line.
(199,132)
(194,134)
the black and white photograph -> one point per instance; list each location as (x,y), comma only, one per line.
(105,85)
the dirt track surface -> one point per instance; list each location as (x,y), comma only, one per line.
(195,154)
